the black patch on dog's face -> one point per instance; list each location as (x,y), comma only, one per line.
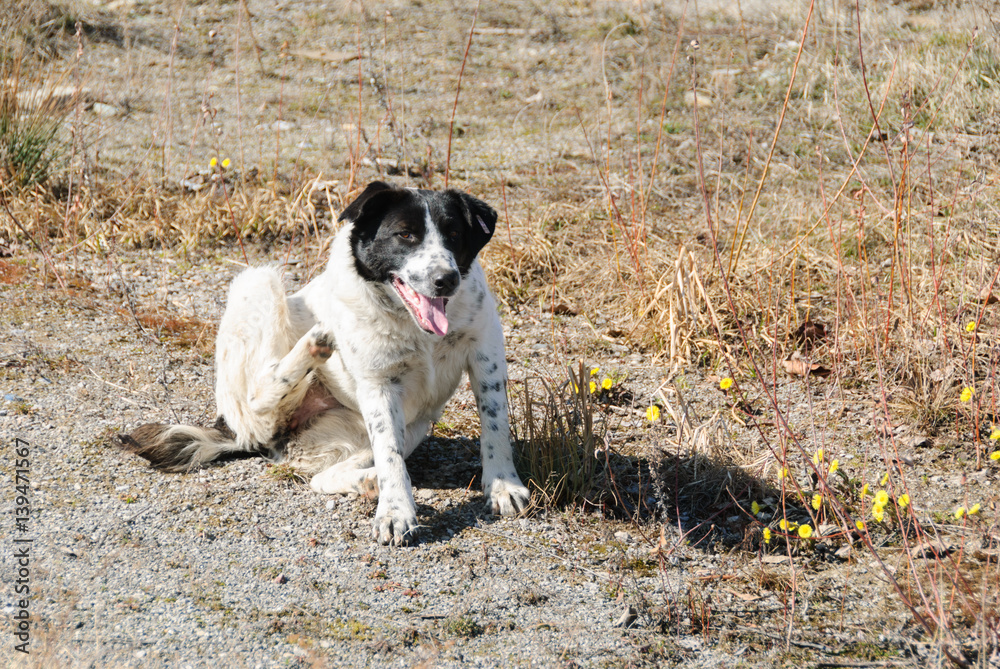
(390,224)
(466,223)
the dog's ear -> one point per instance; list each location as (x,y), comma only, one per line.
(370,199)
(482,219)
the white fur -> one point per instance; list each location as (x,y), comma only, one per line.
(390,378)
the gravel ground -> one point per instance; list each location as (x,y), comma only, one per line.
(234,564)
(238,564)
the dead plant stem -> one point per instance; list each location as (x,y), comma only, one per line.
(458,91)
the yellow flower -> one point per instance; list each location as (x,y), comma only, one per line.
(754,508)
(970,326)
(767,535)
(995,455)
(213,162)
(817,501)
(805,531)
(784,525)
(653,413)
(864,491)
(903,501)
(607,383)
(834,466)
(878,513)
(594,371)
(726,383)
(817,456)
(783,473)
(959,512)
(593,387)
(974,509)
(860,524)
(225,163)
(995,434)
(885,479)
(967,394)
(881,498)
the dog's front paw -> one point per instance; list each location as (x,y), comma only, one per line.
(508,497)
(321,343)
(394,524)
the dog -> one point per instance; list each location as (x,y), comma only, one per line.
(343,379)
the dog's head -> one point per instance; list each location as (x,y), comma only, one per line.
(420,242)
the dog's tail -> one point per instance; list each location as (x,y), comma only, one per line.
(181,448)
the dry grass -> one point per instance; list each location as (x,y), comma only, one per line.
(182,331)
(555,440)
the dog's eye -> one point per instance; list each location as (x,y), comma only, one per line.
(405,236)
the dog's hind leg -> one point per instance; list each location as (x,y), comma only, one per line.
(356,474)
(283,381)
(266,347)
(336,446)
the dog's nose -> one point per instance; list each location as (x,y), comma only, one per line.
(446,282)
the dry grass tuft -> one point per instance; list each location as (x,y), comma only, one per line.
(31,148)
(183,331)
(555,440)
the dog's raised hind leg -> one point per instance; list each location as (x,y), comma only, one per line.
(282,382)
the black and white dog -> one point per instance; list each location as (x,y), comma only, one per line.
(344,378)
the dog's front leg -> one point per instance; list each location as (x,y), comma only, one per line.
(382,408)
(488,377)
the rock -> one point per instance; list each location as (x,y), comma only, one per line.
(703,99)
(280,579)
(53,98)
(933,548)
(775,559)
(104,110)
(627,618)
(827,529)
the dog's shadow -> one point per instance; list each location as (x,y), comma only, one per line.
(436,467)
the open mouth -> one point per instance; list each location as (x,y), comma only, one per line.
(429,311)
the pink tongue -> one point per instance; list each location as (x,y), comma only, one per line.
(430,313)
